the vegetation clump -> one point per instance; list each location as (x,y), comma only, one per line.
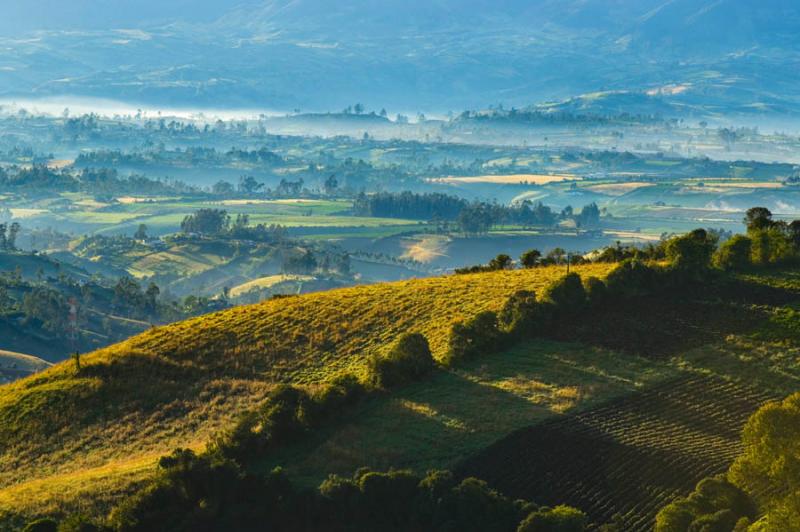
(479,336)
(194,492)
(288,413)
(410,359)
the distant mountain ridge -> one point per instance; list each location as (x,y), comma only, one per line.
(413,55)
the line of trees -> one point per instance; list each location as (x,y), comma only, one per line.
(472,218)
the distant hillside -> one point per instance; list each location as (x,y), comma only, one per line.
(15,366)
(432,56)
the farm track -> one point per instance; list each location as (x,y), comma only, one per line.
(629,457)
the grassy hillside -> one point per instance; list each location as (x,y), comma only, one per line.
(16,365)
(66,431)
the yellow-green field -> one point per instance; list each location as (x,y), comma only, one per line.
(267,282)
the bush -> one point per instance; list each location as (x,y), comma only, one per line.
(531,258)
(409,360)
(596,291)
(478,336)
(341,392)
(771,245)
(558,519)
(522,315)
(735,254)
(288,413)
(632,278)
(567,294)
(716,504)
(690,254)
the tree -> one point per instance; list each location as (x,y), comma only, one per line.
(358,109)
(478,336)
(206,222)
(758,218)
(567,293)
(11,241)
(302,263)
(409,359)
(558,519)
(151,297)
(141,232)
(691,253)
(222,188)
(331,185)
(501,262)
(557,256)
(589,216)
(249,186)
(734,254)
(530,259)
(3,238)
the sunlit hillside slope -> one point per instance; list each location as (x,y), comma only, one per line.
(100,424)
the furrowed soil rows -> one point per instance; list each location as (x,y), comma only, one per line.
(629,457)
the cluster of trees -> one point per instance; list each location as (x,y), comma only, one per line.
(304,261)
(472,218)
(532,258)
(195,156)
(409,205)
(199,493)
(96,181)
(218,223)
(689,258)
(8,236)
(760,491)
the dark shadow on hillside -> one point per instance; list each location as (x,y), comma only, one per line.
(664,325)
(418,427)
(629,457)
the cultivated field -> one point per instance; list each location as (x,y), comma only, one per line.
(628,458)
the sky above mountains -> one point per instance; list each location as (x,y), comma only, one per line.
(432,55)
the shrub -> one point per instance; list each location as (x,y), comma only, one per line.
(478,336)
(771,245)
(522,315)
(690,254)
(596,291)
(632,278)
(567,294)
(409,359)
(716,504)
(558,519)
(341,392)
(531,258)
(735,254)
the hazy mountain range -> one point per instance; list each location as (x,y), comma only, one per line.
(698,57)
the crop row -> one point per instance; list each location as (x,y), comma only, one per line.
(629,457)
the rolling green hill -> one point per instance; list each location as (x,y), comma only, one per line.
(82,436)
(65,434)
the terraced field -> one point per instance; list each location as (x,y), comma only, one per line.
(629,457)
